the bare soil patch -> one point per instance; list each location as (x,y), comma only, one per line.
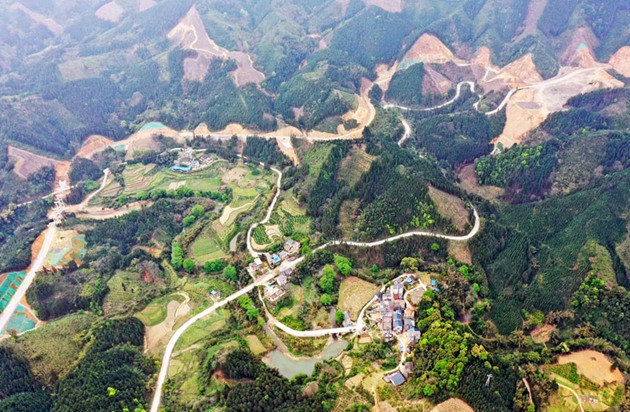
(158,334)
(453,405)
(175,185)
(451,207)
(429,49)
(594,365)
(392,6)
(534,11)
(620,61)
(50,23)
(460,251)
(468,182)
(27,163)
(145,4)
(542,333)
(520,72)
(111,12)
(93,144)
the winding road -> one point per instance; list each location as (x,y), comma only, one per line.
(162,376)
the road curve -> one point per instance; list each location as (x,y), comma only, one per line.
(470,84)
(579,401)
(157,397)
(250,248)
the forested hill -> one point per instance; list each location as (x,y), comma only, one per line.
(84,67)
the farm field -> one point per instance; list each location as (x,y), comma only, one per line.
(155,312)
(146,178)
(8,285)
(354,293)
(248,184)
(202,329)
(589,374)
(127,291)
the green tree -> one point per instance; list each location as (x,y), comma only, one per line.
(230,273)
(189,220)
(343,265)
(374,269)
(213,266)
(339,317)
(198,210)
(409,263)
(325,299)
(177,255)
(435,247)
(327,281)
(189,265)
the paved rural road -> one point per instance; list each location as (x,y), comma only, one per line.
(250,248)
(157,397)
(30,276)
(579,401)
(470,84)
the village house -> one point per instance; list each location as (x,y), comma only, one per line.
(255,266)
(292,247)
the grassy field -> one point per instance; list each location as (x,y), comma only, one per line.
(184,371)
(126,292)
(354,293)
(206,247)
(155,312)
(354,165)
(53,348)
(451,207)
(255,345)
(202,329)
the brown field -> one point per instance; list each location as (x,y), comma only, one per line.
(468,182)
(451,207)
(145,4)
(429,49)
(354,293)
(453,405)
(27,163)
(191,34)
(61,172)
(534,11)
(594,365)
(50,24)
(542,333)
(111,12)
(93,144)
(620,61)
(245,71)
(392,6)
(460,251)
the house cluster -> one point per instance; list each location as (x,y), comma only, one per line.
(186,162)
(399,377)
(276,289)
(290,250)
(393,314)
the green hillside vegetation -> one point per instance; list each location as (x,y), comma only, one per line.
(534,251)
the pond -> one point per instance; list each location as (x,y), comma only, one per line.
(290,367)
(151,126)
